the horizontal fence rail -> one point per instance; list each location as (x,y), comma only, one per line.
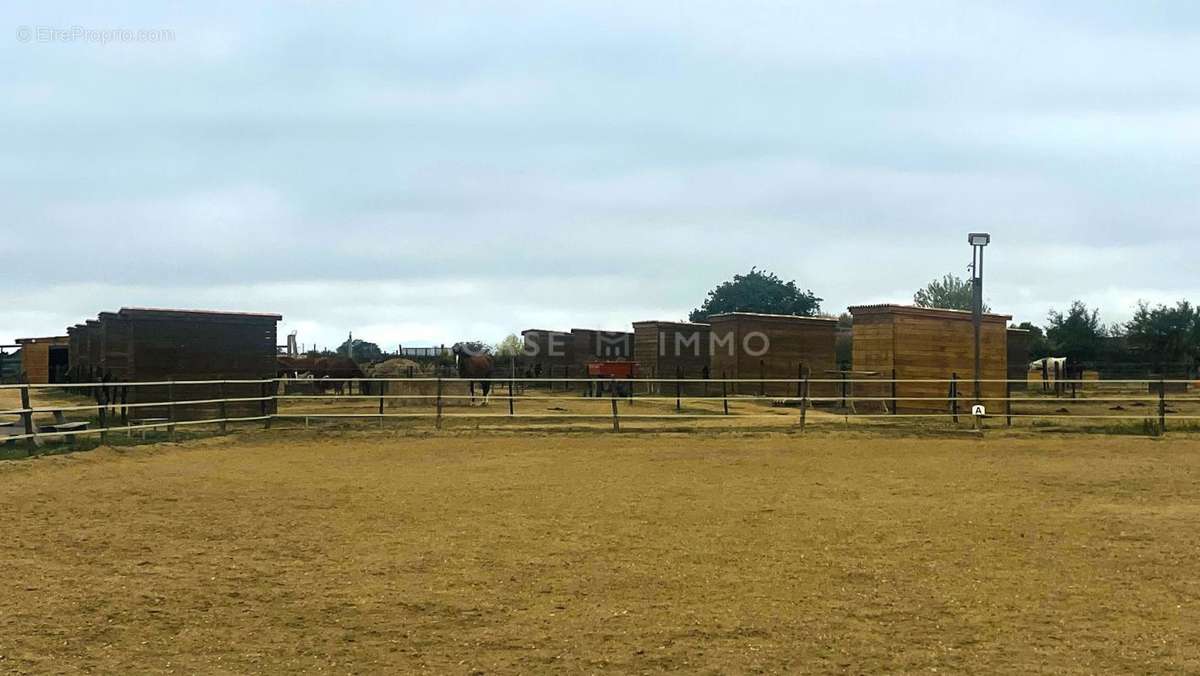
(194,403)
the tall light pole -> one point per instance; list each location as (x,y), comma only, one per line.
(978,240)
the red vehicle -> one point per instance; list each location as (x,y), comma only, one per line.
(613,369)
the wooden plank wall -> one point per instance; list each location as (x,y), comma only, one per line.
(873,350)
(666,349)
(937,348)
(94,342)
(790,342)
(114,347)
(931,344)
(195,348)
(552,350)
(73,351)
(35,362)
(589,345)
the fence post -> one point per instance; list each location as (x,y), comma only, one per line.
(438,419)
(843,375)
(724,393)
(1162,405)
(803,403)
(383,387)
(616,420)
(799,379)
(894,399)
(1008,403)
(27,418)
(265,390)
(678,388)
(223,408)
(512,407)
(104,414)
(171,409)
(954,396)
(124,407)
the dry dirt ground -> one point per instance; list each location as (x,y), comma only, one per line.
(375,552)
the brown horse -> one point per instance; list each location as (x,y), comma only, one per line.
(474,365)
(328,373)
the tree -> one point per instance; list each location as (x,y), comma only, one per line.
(1038,345)
(757,291)
(362,351)
(1077,335)
(1165,335)
(948,293)
(511,346)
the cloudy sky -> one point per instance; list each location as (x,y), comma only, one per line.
(425,172)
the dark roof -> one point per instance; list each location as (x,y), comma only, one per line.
(763,315)
(649,322)
(167,313)
(891,308)
(42,339)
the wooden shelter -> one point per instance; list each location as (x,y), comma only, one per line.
(74,349)
(46,359)
(549,353)
(92,347)
(672,349)
(926,344)
(113,336)
(165,345)
(749,345)
(191,344)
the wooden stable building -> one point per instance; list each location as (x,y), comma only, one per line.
(593,344)
(549,354)
(749,345)
(912,343)
(159,345)
(672,349)
(45,360)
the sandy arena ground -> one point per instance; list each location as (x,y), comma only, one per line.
(380,552)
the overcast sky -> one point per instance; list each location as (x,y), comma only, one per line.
(425,172)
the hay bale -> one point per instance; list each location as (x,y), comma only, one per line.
(393,368)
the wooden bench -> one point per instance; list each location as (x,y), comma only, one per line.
(152,422)
(60,427)
(17,428)
(11,429)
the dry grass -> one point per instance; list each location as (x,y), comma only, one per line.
(516,554)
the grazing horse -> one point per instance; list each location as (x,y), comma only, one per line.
(326,373)
(475,366)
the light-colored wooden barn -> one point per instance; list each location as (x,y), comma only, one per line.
(748,345)
(926,344)
(46,359)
